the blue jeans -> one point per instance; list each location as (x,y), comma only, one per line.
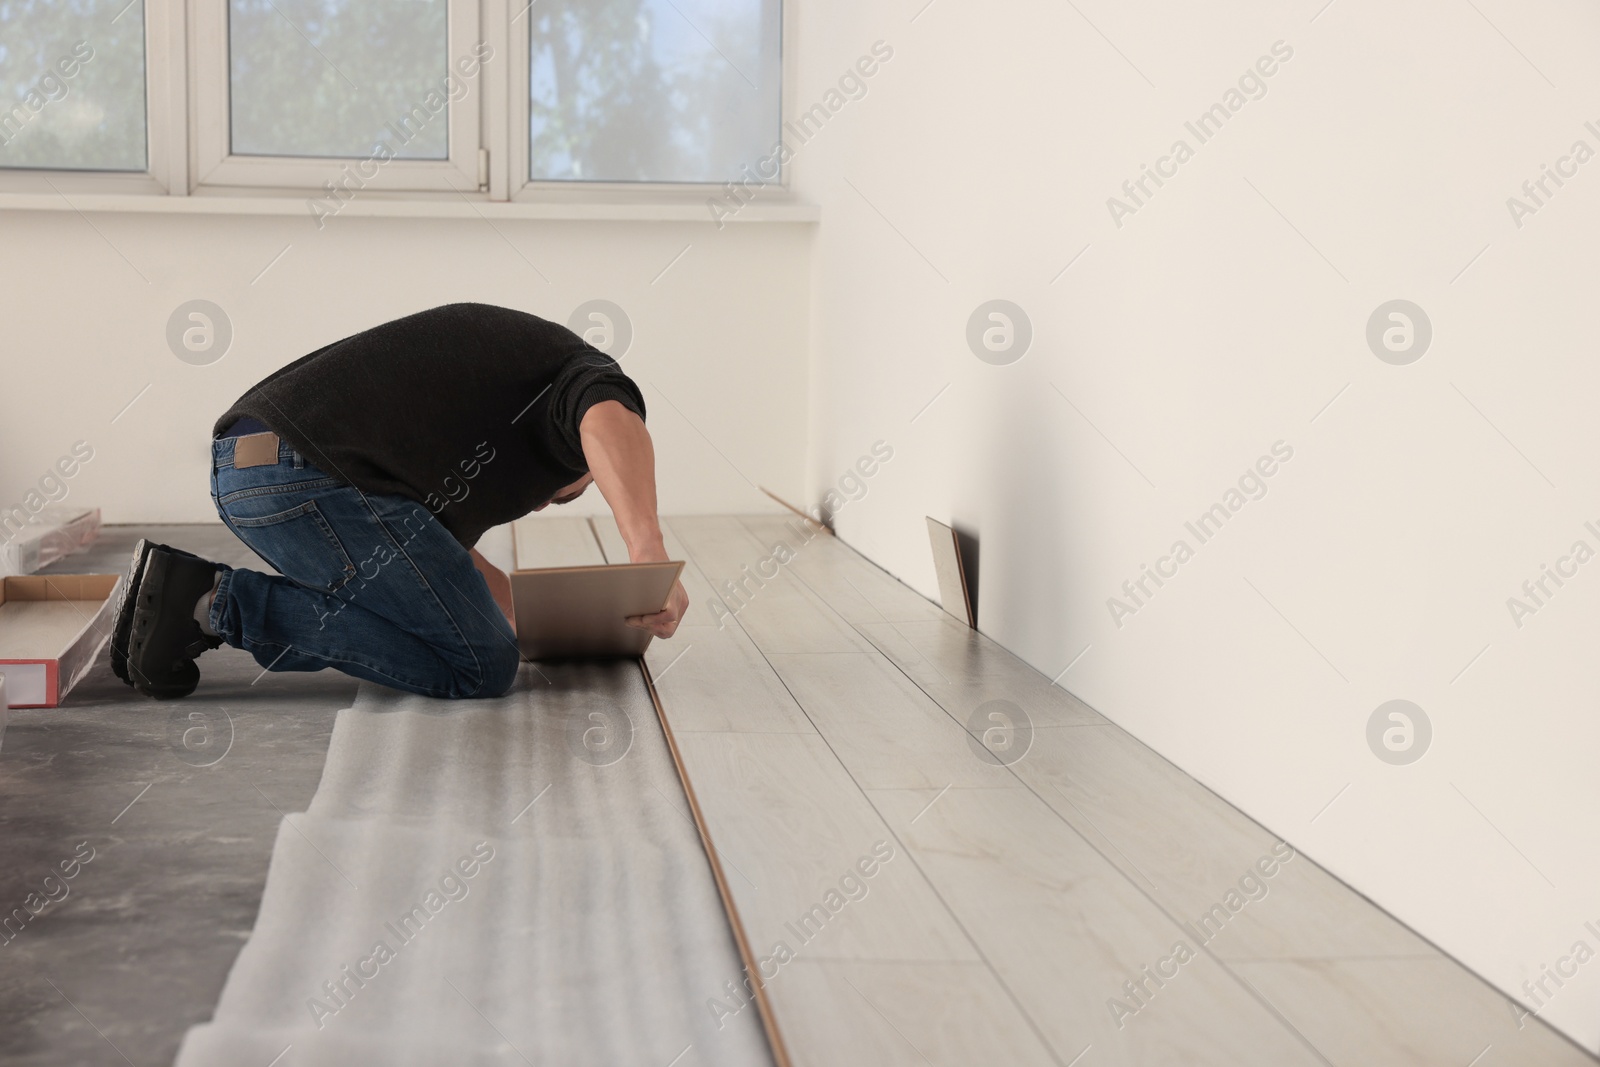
(372,585)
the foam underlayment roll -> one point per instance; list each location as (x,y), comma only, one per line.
(513,881)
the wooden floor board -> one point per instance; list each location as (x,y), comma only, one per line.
(887,732)
(962,670)
(776,609)
(852,585)
(715,679)
(1191,850)
(853,1013)
(610,538)
(792,827)
(1063,930)
(554,541)
(1406,1013)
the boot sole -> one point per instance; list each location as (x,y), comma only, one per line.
(122,619)
(175,679)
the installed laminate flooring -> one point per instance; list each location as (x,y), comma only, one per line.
(1043,867)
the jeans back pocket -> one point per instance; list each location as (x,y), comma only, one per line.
(298,542)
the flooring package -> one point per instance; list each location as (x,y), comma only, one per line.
(506,881)
(52,629)
(48,535)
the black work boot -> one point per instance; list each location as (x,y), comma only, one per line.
(122,618)
(164,637)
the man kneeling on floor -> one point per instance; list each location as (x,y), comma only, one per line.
(365,473)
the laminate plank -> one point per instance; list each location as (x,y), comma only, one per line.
(816,562)
(712,679)
(554,541)
(1407,1013)
(792,827)
(885,730)
(953,595)
(612,546)
(904,654)
(962,670)
(836,1013)
(852,585)
(775,608)
(1194,853)
(1064,930)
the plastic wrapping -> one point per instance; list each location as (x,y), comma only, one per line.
(49,535)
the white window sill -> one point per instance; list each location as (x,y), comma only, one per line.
(374,204)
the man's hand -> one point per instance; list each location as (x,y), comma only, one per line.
(664,623)
(499,586)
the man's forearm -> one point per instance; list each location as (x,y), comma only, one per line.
(617,448)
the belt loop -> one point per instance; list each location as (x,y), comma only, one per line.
(299,460)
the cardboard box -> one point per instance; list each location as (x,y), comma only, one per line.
(52,628)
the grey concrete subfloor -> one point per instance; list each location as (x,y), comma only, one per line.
(180,802)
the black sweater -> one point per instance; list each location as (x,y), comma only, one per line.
(470,409)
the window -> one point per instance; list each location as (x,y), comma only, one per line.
(359,93)
(72,85)
(503,99)
(310,78)
(651,90)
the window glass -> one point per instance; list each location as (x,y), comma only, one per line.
(72,84)
(652,90)
(335,78)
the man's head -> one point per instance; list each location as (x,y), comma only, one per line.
(567,494)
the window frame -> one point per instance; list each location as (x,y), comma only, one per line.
(524,188)
(214,165)
(165,123)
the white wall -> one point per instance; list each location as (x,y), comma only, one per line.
(719,345)
(1223,317)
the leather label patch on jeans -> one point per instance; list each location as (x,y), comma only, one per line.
(255,450)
